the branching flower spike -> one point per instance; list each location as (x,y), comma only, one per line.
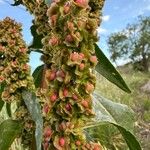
(70,81)
(15,73)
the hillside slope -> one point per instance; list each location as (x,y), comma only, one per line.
(138,100)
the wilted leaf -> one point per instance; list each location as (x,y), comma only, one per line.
(34,108)
(9,130)
(106,69)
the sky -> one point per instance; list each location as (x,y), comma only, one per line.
(116,15)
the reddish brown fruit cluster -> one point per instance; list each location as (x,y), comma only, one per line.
(70,57)
(15,73)
(68,46)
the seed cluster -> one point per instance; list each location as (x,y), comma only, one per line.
(70,59)
(29,4)
(14,68)
(38,8)
(69,31)
(41,19)
(15,73)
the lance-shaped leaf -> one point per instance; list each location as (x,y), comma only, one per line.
(1,87)
(9,130)
(1,104)
(38,75)
(1,90)
(34,108)
(130,139)
(106,69)
(8,109)
(119,115)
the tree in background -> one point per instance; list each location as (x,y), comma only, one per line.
(133,43)
(117,45)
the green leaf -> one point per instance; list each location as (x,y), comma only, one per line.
(119,115)
(130,139)
(36,43)
(38,75)
(1,104)
(1,87)
(17,2)
(106,69)
(8,109)
(1,90)
(48,2)
(107,110)
(9,130)
(34,108)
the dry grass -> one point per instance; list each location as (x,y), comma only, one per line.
(137,100)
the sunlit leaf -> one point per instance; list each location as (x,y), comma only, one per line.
(106,69)
(119,115)
(107,110)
